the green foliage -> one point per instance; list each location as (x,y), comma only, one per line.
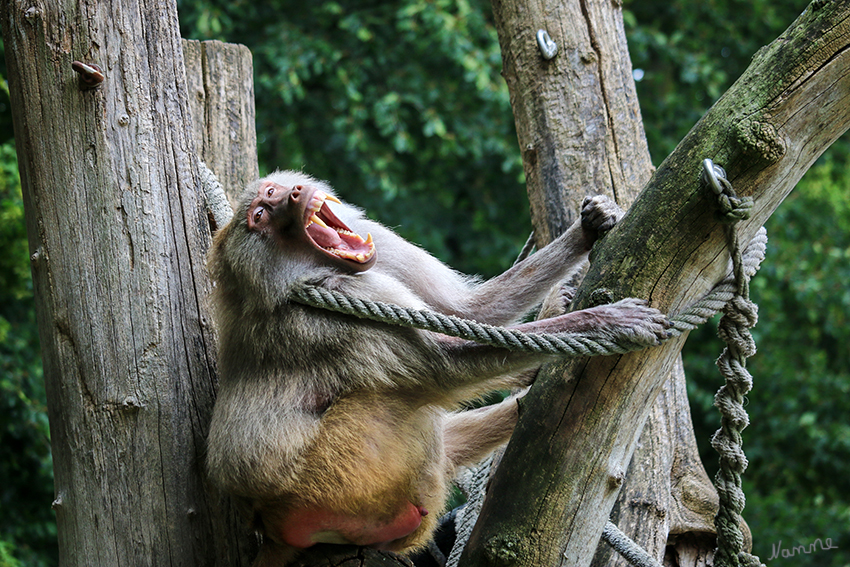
(690,52)
(26,490)
(5,106)
(400,105)
(6,558)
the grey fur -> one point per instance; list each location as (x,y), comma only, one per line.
(285,367)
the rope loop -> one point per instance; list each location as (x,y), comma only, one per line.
(732,207)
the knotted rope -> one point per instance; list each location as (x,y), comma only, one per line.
(739,316)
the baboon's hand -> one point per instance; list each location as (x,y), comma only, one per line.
(632,320)
(599,214)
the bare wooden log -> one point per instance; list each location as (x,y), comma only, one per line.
(667,503)
(220,83)
(579,104)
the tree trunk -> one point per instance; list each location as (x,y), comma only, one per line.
(581,103)
(118,235)
(667,503)
(670,249)
(578,121)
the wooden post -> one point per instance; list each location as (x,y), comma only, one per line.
(118,235)
(220,80)
(577,114)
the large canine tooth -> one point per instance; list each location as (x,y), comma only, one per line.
(333,199)
(318,221)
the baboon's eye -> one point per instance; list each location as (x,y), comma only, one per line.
(270,191)
(258,215)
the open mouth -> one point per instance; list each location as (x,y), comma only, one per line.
(331,235)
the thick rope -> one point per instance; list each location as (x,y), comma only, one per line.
(527,249)
(217,204)
(625,546)
(739,316)
(566,344)
(471,482)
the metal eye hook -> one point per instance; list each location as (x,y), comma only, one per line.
(548,47)
(712,174)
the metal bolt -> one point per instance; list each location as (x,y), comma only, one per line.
(90,74)
(32,14)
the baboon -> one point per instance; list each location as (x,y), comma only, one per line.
(335,429)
